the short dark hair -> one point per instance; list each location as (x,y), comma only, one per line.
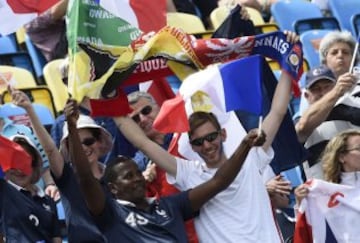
(199,118)
(110,174)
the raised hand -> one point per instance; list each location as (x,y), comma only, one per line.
(255,138)
(71,112)
(19,98)
(291,37)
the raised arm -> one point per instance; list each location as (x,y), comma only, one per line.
(319,111)
(280,102)
(55,159)
(227,172)
(90,186)
(138,138)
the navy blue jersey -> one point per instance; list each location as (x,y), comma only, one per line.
(164,222)
(26,218)
(80,224)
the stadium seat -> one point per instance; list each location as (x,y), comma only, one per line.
(18,59)
(19,115)
(219,14)
(287,12)
(37,58)
(54,82)
(7,44)
(18,77)
(39,94)
(327,23)
(355,24)
(266,28)
(343,10)
(189,23)
(311,40)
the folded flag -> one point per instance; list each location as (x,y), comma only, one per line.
(13,156)
(320,213)
(224,88)
(15,13)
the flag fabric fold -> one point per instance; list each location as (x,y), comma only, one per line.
(13,156)
(320,211)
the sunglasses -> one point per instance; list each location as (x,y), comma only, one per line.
(89,141)
(209,137)
(144,111)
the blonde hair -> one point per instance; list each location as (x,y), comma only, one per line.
(336,147)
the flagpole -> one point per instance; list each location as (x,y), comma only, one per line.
(260,125)
(354,54)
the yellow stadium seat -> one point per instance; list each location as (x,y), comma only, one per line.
(190,23)
(17,77)
(266,28)
(54,82)
(40,95)
(219,14)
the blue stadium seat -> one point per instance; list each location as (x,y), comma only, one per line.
(287,12)
(37,57)
(18,59)
(7,44)
(355,24)
(310,40)
(343,10)
(327,23)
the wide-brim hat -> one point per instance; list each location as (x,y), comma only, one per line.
(86,122)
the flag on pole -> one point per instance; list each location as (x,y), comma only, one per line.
(224,88)
(15,13)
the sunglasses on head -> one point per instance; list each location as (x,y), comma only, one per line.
(209,137)
(144,111)
(89,141)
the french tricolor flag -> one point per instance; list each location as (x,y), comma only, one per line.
(15,13)
(144,14)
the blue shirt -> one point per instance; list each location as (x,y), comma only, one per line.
(121,146)
(164,222)
(80,224)
(27,218)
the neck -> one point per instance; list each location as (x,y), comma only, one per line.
(158,138)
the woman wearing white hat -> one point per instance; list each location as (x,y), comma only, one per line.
(96,142)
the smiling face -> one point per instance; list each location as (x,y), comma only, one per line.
(207,141)
(90,144)
(128,182)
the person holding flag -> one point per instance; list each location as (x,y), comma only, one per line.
(227,217)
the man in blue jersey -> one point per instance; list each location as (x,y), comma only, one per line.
(128,215)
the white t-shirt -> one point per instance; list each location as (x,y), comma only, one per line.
(242,212)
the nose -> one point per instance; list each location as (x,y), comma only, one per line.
(206,144)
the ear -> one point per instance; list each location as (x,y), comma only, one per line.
(223,134)
(306,94)
(113,188)
(342,159)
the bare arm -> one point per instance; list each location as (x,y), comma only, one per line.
(55,159)
(138,138)
(226,173)
(280,102)
(58,11)
(319,111)
(90,186)
(56,240)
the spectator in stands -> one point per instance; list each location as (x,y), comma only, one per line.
(96,141)
(120,145)
(227,217)
(48,31)
(128,214)
(27,214)
(316,127)
(145,111)
(8,128)
(336,51)
(340,162)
